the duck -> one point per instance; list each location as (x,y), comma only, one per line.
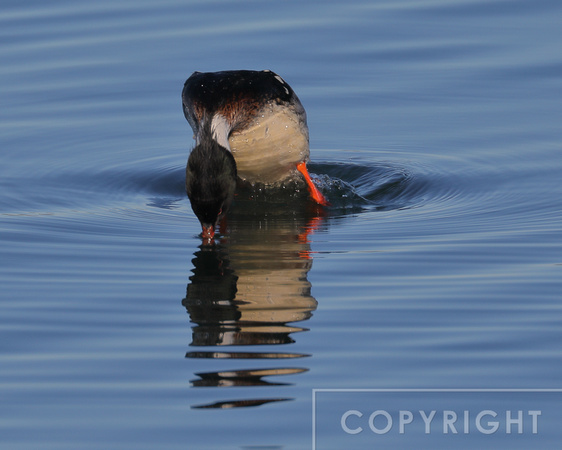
(248,125)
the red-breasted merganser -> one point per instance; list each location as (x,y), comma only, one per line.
(246,124)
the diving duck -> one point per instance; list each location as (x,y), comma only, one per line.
(248,125)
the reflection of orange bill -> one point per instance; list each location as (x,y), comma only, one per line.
(312,225)
(316,194)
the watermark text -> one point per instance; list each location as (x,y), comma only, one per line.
(486,421)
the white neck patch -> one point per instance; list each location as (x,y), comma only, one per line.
(221,130)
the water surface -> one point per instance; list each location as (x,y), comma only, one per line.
(435,133)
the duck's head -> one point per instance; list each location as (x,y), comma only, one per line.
(210,181)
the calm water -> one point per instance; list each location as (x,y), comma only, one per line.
(436,133)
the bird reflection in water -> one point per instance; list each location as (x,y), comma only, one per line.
(251,289)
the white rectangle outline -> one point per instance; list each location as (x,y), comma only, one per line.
(469,390)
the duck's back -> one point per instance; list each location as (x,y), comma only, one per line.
(262,118)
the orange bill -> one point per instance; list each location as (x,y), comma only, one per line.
(208,235)
(314,192)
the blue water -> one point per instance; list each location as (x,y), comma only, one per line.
(434,131)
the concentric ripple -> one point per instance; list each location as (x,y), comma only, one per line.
(154,185)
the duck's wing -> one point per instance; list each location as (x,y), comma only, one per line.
(237,95)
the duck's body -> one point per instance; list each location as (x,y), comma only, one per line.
(254,116)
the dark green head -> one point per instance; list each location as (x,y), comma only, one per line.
(210,182)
